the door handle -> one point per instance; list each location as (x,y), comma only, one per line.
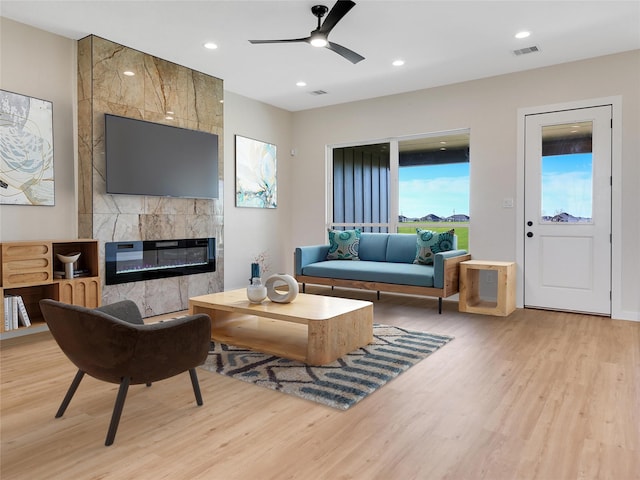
(529,234)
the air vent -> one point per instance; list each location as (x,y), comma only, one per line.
(524,51)
(318,92)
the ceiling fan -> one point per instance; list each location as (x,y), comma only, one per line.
(319,36)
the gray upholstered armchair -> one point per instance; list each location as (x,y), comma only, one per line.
(112,343)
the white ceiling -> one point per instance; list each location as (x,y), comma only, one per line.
(442,42)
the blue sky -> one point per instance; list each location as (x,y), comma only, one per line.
(443,189)
(438,189)
(567,184)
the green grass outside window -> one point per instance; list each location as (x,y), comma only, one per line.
(461,232)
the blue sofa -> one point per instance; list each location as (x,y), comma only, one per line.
(385,264)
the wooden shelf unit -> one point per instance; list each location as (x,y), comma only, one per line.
(29,269)
(470,300)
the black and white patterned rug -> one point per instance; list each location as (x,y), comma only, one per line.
(340,384)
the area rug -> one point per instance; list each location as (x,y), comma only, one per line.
(340,384)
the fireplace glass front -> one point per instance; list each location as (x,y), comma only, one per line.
(147,260)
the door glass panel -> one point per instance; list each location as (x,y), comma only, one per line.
(567,173)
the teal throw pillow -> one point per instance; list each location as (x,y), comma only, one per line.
(343,244)
(429,243)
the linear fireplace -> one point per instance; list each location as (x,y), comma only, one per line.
(148,260)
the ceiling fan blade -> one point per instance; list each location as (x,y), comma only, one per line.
(350,55)
(339,10)
(290,40)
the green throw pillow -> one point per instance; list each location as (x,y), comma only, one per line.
(343,244)
(429,243)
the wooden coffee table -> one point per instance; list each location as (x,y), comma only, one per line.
(313,329)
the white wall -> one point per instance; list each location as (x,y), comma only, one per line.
(489,108)
(42,65)
(250,231)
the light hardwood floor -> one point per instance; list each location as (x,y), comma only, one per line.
(536,395)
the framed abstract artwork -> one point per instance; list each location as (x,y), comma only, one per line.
(26,150)
(256,180)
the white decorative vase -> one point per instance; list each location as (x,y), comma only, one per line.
(256,291)
(281,280)
(68,261)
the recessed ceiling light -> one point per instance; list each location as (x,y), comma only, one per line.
(398,63)
(210,45)
(523,34)
(301,84)
(168,117)
(128,73)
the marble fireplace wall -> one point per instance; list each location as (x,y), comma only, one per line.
(156,88)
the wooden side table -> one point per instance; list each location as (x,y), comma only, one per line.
(470,300)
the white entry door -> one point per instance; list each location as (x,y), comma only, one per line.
(567,211)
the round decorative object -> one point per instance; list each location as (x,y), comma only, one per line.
(256,292)
(279,280)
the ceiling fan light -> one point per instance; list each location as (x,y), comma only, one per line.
(318,40)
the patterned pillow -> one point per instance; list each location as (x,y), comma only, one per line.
(429,243)
(343,244)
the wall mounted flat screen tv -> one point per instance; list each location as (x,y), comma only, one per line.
(145,158)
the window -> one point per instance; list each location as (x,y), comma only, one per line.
(567,173)
(361,187)
(402,185)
